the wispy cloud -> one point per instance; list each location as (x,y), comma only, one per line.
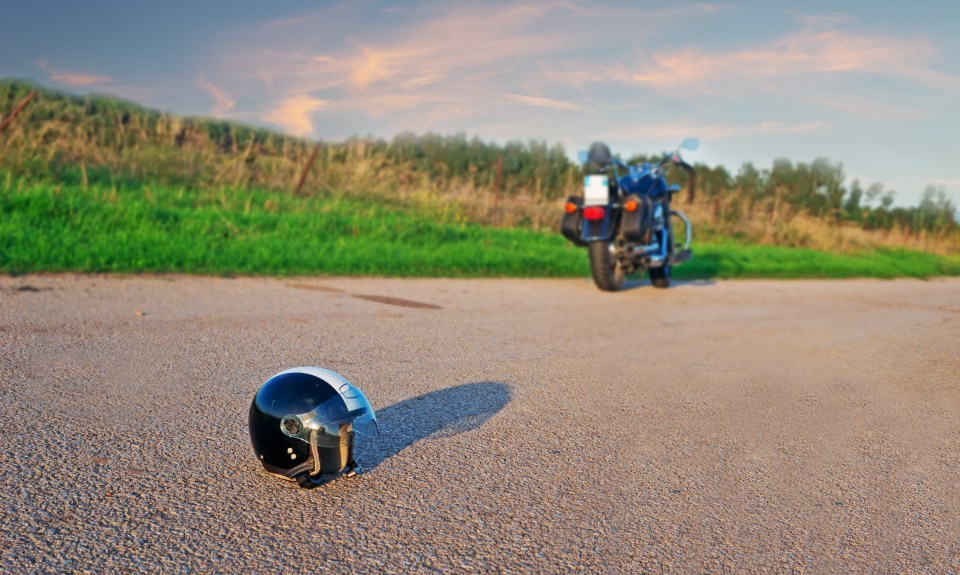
(295,114)
(676,131)
(776,127)
(385,105)
(804,52)
(101,84)
(950,82)
(541,102)
(73,79)
(721,131)
(859,104)
(425,67)
(821,20)
(452,44)
(483,67)
(224,103)
(466,56)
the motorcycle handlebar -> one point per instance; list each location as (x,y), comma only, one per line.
(677,161)
(692,185)
(692,173)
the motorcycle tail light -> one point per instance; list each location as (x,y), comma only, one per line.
(631,205)
(593,213)
(571,207)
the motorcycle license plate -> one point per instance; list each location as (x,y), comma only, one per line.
(596,190)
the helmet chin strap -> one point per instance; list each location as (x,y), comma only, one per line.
(314,478)
(314,452)
(345,430)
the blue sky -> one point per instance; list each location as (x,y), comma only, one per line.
(872,85)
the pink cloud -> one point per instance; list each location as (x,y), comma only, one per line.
(431,64)
(719,131)
(102,84)
(374,65)
(295,114)
(409,105)
(935,78)
(450,43)
(859,105)
(466,55)
(223,102)
(801,53)
(477,60)
(541,102)
(677,131)
(821,20)
(460,40)
(73,79)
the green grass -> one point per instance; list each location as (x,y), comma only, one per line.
(724,260)
(45,228)
(243,232)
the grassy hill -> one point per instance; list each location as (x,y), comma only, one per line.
(92,183)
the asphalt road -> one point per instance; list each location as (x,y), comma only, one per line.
(530,426)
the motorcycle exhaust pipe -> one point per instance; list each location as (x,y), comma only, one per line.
(637,251)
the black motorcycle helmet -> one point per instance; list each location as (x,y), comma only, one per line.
(303,421)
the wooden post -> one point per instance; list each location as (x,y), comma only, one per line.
(17,110)
(306,169)
(776,205)
(498,181)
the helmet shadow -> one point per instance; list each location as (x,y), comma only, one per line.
(440,413)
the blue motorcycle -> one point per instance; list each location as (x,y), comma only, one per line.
(624,217)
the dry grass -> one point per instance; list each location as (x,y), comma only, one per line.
(797,229)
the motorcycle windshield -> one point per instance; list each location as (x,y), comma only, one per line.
(322,426)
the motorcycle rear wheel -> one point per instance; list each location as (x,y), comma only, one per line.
(607,273)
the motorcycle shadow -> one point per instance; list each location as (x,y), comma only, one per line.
(441,413)
(632,284)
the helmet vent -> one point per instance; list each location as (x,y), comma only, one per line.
(290,425)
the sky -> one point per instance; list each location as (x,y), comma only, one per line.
(871,85)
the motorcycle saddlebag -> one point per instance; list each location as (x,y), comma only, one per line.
(636,224)
(572,223)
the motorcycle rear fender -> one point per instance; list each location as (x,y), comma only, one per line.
(598,230)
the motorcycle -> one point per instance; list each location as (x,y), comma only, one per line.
(624,217)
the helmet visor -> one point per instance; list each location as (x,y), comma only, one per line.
(323,425)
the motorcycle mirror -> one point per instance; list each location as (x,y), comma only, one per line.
(690,144)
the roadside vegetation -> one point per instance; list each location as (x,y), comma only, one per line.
(238,231)
(165,229)
(94,183)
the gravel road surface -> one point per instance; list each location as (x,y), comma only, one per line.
(530,426)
